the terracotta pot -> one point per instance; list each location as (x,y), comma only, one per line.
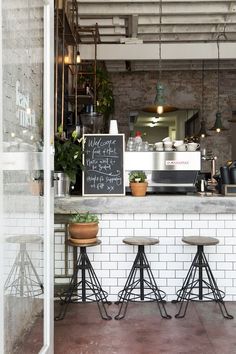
(138,189)
(83,230)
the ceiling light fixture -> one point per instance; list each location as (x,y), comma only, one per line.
(203,132)
(159,99)
(218,126)
(78,58)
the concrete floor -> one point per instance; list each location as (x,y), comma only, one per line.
(143,331)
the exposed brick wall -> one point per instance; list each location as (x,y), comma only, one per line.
(183,89)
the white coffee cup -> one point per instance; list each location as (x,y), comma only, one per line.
(181,147)
(192,146)
(168,145)
(166,139)
(159,146)
(178,142)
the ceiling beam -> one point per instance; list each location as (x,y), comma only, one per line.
(170,51)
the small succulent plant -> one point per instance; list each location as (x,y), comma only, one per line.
(83,218)
(137,176)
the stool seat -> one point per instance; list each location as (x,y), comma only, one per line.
(24,239)
(200,240)
(73,243)
(140,241)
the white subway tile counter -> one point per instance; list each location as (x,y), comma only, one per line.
(167,217)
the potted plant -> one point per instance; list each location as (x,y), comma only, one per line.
(138,183)
(67,161)
(83,227)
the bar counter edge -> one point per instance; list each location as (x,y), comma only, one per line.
(161,204)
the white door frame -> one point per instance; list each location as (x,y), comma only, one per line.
(48,108)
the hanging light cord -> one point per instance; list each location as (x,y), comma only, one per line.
(203,92)
(223,35)
(160,33)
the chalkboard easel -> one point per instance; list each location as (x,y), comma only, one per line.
(103,172)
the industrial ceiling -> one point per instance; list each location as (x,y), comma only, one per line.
(131,31)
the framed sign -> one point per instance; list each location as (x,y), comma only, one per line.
(103,172)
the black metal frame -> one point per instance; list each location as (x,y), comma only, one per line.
(145,289)
(77,291)
(20,281)
(207,289)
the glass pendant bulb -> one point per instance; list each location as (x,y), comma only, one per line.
(159,100)
(78,58)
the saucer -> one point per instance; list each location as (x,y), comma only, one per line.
(168,149)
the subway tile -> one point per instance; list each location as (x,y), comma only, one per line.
(191,216)
(158,216)
(174,216)
(207,216)
(166,224)
(152,224)
(142,232)
(119,224)
(224,216)
(104,224)
(109,216)
(208,232)
(230,224)
(175,232)
(141,216)
(109,265)
(125,232)
(225,265)
(125,216)
(183,224)
(167,257)
(133,224)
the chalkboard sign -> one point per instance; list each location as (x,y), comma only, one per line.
(103,164)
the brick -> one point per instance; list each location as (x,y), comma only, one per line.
(141,216)
(125,216)
(174,216)
(158,216)
(119,224)
(166,224)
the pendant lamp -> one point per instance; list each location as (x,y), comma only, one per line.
(203,131)
(218,126)
(159,99)
(159,105)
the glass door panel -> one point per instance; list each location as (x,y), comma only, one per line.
(26,163)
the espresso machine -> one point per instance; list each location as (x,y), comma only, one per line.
(167,171)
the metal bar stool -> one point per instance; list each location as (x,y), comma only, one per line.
(200,284)
(23,279)
(141,286)
(86,290)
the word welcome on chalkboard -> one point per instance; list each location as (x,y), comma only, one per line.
(103,172)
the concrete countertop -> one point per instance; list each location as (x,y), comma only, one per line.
(165,204)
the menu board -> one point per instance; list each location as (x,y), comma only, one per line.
(103,172)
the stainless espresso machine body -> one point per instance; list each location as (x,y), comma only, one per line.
(167,171)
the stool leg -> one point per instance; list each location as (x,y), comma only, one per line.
(186,293)
(96,288)
(216,292)
(131,284)
(124,295)
(92,284)
(141,252)
(21,272)
(159,294)
(69,292)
